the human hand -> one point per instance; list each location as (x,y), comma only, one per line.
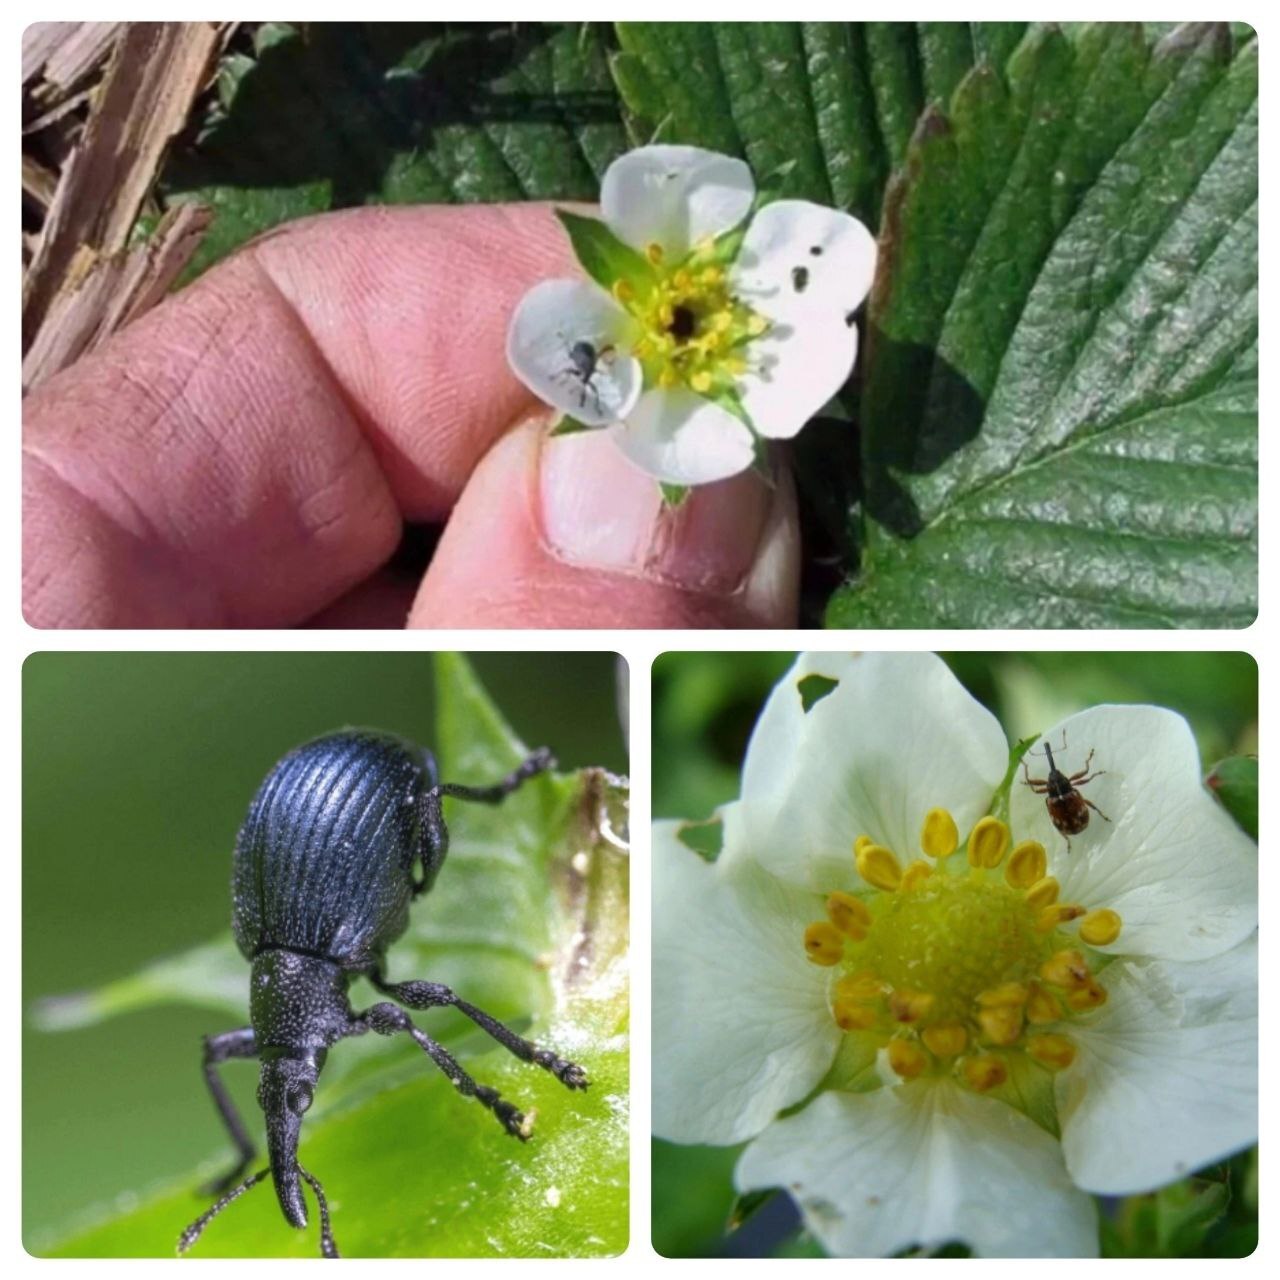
(246,455)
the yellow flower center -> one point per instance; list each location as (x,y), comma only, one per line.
(691,331)
(959,972)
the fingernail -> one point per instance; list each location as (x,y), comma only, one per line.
(600,512)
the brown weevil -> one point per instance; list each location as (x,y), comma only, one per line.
(1068,809)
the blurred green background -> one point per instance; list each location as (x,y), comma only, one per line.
(137,770)
(704,707)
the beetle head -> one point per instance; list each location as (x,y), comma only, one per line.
(285,1087)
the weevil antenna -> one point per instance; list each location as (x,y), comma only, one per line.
(328,1246)
(192,1233)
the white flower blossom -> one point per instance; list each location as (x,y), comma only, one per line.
(695,337)
(934,1022)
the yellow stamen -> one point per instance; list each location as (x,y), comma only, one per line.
(1042,1007)
(1001,1025)
(654,253)
(1027,864)
(985,1072)
(721,321)
(1100,928)
(916,873)
(849,915)
(1007,993)
(756,325)
(823,943)
(1043,893)
(859,986)
(682,280)
(701,382)
(735,365)
(1065,969)
(907,1058)
(641,349)
(668,378)
(878,867)
(1093,995)
(861,843)
(712,275)
(623,290)
(939,836)
(1052,1051)
(910,1006)
(705,245)
(945,1040)
(988,843)
(852,1016)
(1057,913)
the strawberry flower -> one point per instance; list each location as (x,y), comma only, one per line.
(929,1019)
(708,324)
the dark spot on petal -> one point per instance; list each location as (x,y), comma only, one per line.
(816,250)
(799,278)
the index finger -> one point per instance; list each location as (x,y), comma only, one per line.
(246,452)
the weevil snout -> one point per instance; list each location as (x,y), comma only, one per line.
(285,1089)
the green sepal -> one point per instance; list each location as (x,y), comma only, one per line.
(1000,801)
(1235,782)
(604,257)
(674,495)
(706,839)
(569,426)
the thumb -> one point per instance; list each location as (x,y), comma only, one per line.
(564,532)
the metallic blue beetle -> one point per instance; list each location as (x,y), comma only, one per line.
(343,834)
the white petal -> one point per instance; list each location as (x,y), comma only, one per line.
(741,1026)
(807,268)
(794,370)
(674,196)
(1182,875)
(898,736)
(551,319)
(679,437)
(922,1165)
(1166,1080)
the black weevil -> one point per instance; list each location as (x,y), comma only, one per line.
(343,833)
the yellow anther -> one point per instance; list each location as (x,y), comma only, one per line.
(701,382)
(1027,864)
(1100,928)
(623,290)
(1007,993)
(910,1006)
(705,245)
(712,275)
(668,378)
(850,1015)
(917,873)
(666,314)
(1001,1025)
(939,836)
(849,915)
(654,253)
(757,324)
(988,843)
(862,842)
(1066,969)
(823,943)
(1044,893)
(1042,1007)
(1054,1052)
(859,986)
(1093,995)
(736,365)
(682,280)
(945,1040)
(721,321)
(984,1072)
(907,1058)
(1052,916)
(878,867)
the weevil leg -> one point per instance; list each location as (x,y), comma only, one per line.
(1079,779)
(433,839)
(1095,808)
(1038,785)
(230,1044)
(387,1020)
(435,995)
